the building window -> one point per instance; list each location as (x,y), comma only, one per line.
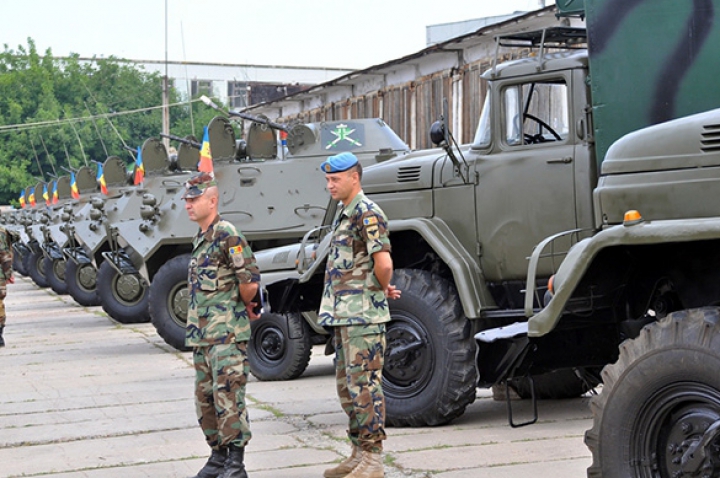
(201,87)
(237,94)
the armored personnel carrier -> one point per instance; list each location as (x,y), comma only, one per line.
(92,237)
(272,193)
(48,235)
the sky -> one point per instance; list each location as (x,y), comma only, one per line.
(351,34)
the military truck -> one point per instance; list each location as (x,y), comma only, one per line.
(641,292)
(92,237)
(271,191)
(464,221)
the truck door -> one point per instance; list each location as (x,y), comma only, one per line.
(526,187)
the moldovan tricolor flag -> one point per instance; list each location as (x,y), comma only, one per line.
(55,193)
(74,191)
(46,196)
(205,165)
(31,197)
(139,168)
(101,180)
(22,199)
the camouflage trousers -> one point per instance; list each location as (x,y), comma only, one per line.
(3,294)
(221,373)
(359,357)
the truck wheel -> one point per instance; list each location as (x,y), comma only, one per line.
(55,274)
(35,265)
(18,263)
(659,400)
(81,280)
(554,385)
(279,347)
(123,297)
(429,375)
(169,301)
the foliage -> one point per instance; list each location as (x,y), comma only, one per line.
(70,94)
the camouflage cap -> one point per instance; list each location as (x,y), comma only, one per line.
(339,163)
(198,184)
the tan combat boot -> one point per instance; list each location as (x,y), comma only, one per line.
(344,468)
(371,466)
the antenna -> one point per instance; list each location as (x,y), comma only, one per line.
(82,150)
(47,153)
(97,130)
(37,160)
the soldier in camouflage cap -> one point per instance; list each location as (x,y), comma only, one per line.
(354,304)
(6,276)
(223,280)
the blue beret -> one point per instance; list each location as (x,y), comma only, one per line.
(339,163)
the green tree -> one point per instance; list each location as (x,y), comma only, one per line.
(51,114)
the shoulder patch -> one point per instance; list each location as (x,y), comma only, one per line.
(370,220)
(235,250)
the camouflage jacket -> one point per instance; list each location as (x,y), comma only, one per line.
(352,294)
(221,260)
(6,255)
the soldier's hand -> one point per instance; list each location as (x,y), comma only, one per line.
(11,280)
(392,292)
(251,310)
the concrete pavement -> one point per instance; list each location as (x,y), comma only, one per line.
(82,396)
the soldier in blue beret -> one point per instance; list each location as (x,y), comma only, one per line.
(354,304)
(339,163)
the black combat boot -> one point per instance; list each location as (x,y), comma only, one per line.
(2,341)
(234,466)
(215,464)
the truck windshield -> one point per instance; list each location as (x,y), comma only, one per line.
(482,135)
(535,112)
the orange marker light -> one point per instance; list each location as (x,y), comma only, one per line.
(632,217)
(551,284)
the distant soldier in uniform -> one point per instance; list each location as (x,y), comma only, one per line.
(223,281)
(354,304)
(6,258)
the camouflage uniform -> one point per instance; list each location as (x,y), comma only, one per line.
(354,303)
(6,258)
(218,329)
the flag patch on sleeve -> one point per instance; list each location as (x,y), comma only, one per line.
(370,220)
(235,250)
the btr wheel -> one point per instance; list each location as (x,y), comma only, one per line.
(124,297)
(429,375)
(658,414)
(35,265)
(18,263)
(55,274)
(81,280)
(279,347)
(168,301)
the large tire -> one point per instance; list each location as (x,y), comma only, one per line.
(280,347)
(35,265)
(123,297)
(19,263)
(555,385)
(55,274)
(81,280)
(658,399)
(168,301)
(429,376)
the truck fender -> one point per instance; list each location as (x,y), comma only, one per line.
(581,257)
(468,277)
